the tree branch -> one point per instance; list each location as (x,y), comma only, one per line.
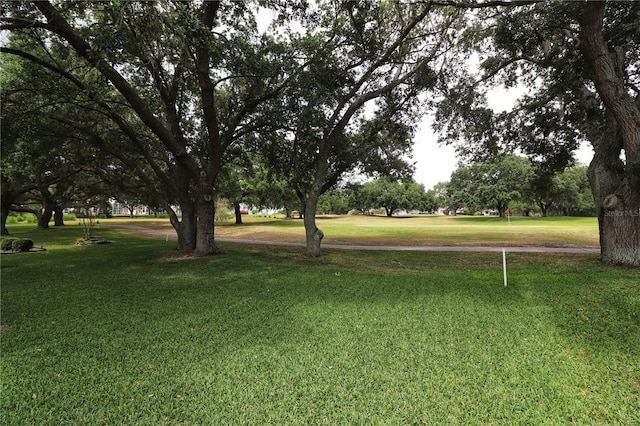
(106,109)
(607,78)
(59,26)
(207,89)
(375,65)
(21,24)
(485,4)
(504,65)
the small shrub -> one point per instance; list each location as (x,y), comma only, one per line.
(88,222)
(22,218)
(21,245)
(222,211)
(7,244)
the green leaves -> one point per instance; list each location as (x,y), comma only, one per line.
(392,195)
(490,184)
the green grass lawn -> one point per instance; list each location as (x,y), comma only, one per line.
(408,230)
(132,333)
(425,230)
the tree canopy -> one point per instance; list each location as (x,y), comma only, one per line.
(579,64)
(156,70)
(353,105)
(168,94)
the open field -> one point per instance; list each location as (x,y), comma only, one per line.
(132,333)
(413,230)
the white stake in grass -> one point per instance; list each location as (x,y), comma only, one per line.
(504,266)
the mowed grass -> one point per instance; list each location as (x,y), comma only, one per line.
(425,230)
(132,333)
(421,230)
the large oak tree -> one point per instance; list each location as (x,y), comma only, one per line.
(354,106)
(160,68)
(615,170)
(579,64)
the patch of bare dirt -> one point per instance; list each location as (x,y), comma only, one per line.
(177,256)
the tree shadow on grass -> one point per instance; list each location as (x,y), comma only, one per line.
(251,290)
(592,304)
(606,319)
(134,325)
(589,302)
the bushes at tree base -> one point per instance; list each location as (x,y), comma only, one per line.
(7,244)
(16,244)
(22,245)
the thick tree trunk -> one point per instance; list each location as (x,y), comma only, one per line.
(314,235)
(48,204)
(619,234)
(185,227)
(616,206)
(615,182)
(45,217)
(58,216)
(205,242)
(4,214)
(544,208)
(618,219)
(238,213)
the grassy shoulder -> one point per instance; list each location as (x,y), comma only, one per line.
(132,333)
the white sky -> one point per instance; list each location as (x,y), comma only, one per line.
(435,163)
